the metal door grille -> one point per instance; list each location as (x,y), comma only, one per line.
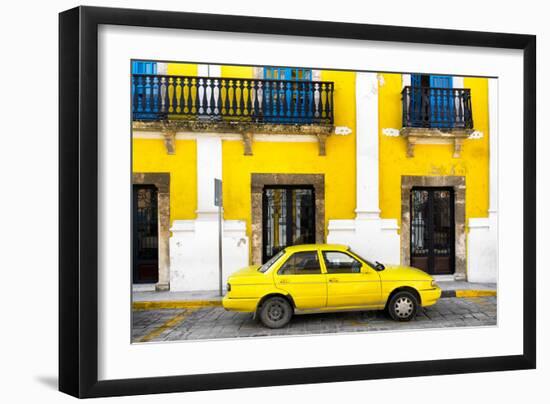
(145,240)
(432,230)
(288,218)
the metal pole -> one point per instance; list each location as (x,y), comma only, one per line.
(220,256)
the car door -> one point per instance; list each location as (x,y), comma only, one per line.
(350,282)
(301,276)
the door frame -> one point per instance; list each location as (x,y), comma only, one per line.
(458,184)
(431,256)
(162,182)
(289,205)
(259,181)
(135,254)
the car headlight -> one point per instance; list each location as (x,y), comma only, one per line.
(434,284)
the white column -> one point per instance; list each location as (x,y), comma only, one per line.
(458,82)
(482,250)
(366,93)
(202,70)
(368,234)
(209,166)
(405,80)
(209,70)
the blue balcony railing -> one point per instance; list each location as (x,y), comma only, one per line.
(161,97)
(445,108)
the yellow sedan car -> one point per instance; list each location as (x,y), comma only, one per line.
(326,278)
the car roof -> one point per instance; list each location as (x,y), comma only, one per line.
(308,247)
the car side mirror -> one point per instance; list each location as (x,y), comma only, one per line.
(379,266)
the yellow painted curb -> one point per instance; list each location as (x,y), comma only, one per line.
(475,293)
(183,304)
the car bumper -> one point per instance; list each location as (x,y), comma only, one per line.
(244,304)
(430,297)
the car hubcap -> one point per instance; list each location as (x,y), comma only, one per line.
(403,307)
(275,312)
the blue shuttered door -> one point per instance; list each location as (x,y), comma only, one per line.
(290,100)
(432,101)
(145,91)
(441,101)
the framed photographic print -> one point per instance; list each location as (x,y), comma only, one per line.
(250,201)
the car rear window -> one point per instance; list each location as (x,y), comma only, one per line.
(271,261)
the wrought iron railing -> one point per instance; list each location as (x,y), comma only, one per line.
(156,97)
(428,107)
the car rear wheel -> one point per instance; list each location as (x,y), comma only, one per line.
(275,312)
(403,306)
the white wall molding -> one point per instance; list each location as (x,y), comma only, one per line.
(391,132)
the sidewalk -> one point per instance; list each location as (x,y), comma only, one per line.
(467,289)
(208,298)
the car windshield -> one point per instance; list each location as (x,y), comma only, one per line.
(369,262)
(271,261)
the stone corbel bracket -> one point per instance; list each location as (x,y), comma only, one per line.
(169,140)
(322,143)
(247,143)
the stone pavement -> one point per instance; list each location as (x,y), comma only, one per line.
(214,322)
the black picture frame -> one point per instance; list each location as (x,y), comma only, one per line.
(78,201)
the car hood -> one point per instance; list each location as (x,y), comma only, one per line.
(400,272)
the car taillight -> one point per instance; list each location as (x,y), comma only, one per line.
(228,287)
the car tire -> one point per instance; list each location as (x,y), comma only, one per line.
(275,312)
(403,306)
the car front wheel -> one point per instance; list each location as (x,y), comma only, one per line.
(275,312)
(403,306)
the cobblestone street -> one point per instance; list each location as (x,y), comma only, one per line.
(215,322)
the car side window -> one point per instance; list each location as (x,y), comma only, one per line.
(338,262)
(301,263)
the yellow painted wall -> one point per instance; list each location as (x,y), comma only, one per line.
(344,100)
(149,156)
(182,69)
(238,72)
(432,159)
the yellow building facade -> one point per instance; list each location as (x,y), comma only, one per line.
(395,165)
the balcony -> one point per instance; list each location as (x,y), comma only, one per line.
(436,115)
(232,101)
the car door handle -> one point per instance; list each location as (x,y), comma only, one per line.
(333,280)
